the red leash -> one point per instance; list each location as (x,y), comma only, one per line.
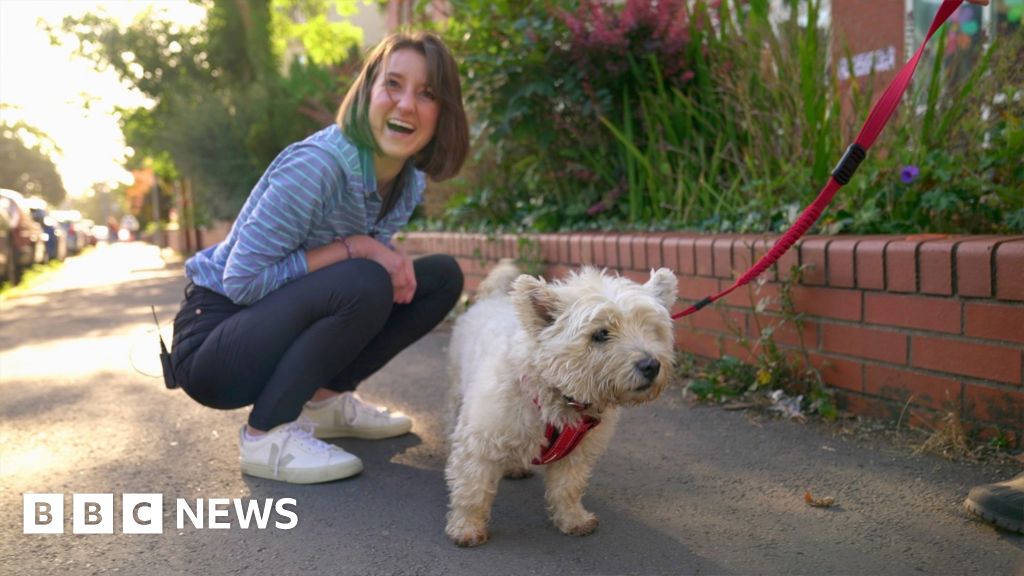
(877,119)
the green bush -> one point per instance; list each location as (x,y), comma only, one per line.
(670,115)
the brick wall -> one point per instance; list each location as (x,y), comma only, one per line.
(912,325)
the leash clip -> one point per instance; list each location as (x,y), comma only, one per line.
(848,164)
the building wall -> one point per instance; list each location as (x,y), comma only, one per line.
(900,327)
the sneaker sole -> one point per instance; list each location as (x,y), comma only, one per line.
(363,433)
(311,476)
(997,519)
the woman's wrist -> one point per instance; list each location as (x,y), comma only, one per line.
(347,244)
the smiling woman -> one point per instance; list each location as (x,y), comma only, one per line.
(307,296)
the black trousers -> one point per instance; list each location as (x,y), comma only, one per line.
(329,329)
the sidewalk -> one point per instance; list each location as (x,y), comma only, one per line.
(681,490)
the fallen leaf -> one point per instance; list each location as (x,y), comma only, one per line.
(826,502)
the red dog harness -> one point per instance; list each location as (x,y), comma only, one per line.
(562,442)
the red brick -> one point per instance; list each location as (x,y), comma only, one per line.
(732,347)
(748,296)
(557,271)
(840,262)
(700,344)
(705,255)
(968,358)
(785,264)
(828,302)
(564,249)
(1010,270)
(638,252)
(921,312)
(812,258)
(726,322)
(637,276)
(548,247)
(687,255)
(784,332)
(670,248)
(994,321)
(586,250)
(868,407)
(870,263)
(575,249)
(470,283)
(611,251)
(974,260)
(696,288)
(935,266)
(654,256)
(994,405)
(761,247)
(626,242)
(742,255)
(922,389)
(887,346)
(721,255)
(838,372)
(901,266)
(597,246)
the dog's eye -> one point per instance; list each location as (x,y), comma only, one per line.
(600,336)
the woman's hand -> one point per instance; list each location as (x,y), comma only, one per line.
(396,262)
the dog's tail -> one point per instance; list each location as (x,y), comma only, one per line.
(499,279)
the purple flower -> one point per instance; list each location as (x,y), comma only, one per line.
(909,173)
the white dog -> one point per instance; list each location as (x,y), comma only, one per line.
(539,364)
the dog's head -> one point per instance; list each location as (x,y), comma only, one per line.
(600,339)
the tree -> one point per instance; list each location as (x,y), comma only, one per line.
(26,168)
(223,106)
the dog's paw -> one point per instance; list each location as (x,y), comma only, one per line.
(579,527)
(465,532)
(518,473)
(469,538)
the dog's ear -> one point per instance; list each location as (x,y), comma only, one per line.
(536,303)
(664,286)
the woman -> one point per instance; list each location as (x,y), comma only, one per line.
(307,296)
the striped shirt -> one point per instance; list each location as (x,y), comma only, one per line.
(314,191)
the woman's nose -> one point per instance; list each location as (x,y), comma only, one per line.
(407,100)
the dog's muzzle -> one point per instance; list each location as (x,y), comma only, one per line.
(648,368)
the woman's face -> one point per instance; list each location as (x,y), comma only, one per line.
(403,111)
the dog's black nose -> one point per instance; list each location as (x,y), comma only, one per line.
(649,367)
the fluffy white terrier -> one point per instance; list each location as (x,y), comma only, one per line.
(529,356)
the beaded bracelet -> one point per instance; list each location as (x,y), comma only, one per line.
(348,247)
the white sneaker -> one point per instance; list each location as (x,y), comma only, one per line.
(346,415)
(290,453)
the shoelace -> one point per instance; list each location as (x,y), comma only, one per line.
(302,431)
(354,408)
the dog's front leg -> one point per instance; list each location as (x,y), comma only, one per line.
(472,484)
(566,481)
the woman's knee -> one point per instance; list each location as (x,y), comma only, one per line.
(362,287)
(446,272)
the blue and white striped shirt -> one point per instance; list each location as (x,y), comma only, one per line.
(313,192)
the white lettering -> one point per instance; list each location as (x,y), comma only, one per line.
(42,513)
(195,517)
(218,508)
(282,511)
(253,510)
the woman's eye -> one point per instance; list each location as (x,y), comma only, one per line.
(600,336)
(428,95)
(391,83)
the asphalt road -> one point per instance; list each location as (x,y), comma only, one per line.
(682,490)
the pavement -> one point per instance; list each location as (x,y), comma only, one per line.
(683,488)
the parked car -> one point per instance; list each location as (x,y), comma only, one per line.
(29,241)
(56,239)
(8,259)
(68,220)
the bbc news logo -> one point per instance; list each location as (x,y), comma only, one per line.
(144,513)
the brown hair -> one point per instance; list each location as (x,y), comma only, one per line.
(443,156)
